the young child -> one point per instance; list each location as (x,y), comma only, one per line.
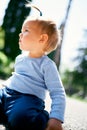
(22,99)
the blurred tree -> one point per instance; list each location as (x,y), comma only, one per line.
(76,80)
(13,19)
(70,87)
(57,54)
(79,75)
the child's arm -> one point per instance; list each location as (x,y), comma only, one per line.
(54,124)
(58,97)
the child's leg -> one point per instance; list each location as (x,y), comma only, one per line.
(41,121)
(3,118)
(26,122)
(25,112)
(2,115)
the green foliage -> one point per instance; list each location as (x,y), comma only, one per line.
(77,79)
(13,20)
(2,35)
(69,85)
(6,66)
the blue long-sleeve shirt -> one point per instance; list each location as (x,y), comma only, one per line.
(36,76)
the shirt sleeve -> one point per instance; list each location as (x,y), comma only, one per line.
(56,90)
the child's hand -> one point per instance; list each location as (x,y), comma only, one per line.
(1,85)
(54,124)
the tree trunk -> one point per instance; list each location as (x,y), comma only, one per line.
(57,55)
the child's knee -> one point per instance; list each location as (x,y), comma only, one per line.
(41,120)
(28,121)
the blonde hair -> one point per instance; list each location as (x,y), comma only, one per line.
(48,27)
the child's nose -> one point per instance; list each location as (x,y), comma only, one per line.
(20,34)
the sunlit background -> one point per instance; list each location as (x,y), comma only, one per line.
(74,28)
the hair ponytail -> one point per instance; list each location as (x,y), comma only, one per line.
(33,6)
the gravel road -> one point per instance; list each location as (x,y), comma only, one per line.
(75,114)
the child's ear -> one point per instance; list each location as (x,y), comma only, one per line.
(44,38)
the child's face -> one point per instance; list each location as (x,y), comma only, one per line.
(29,38)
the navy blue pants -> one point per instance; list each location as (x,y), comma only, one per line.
(22,111)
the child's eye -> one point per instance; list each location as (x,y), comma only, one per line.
(26,30)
